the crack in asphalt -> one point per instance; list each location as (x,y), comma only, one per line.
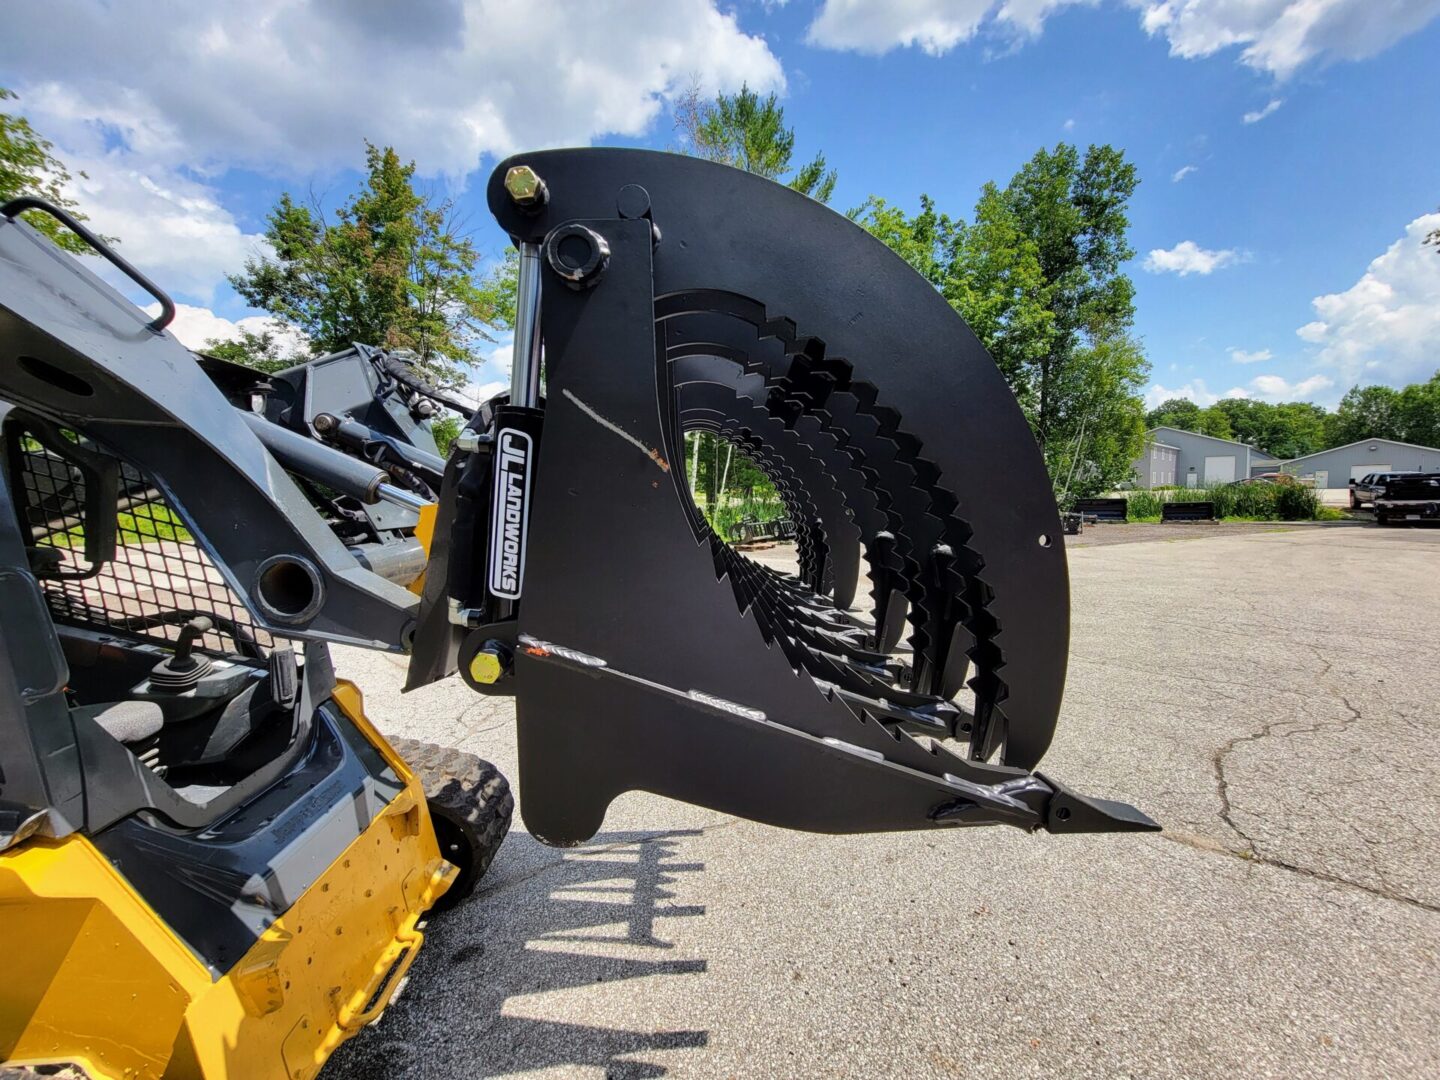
(1212,847)
(1252,851)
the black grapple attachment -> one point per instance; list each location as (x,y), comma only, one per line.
(669,294)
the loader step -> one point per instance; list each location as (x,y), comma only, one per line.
(471,805)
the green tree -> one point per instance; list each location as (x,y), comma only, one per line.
(1245,418)
(1097,395)
(997,282)
(926,241)
(1286,430)
(262,351)
(1073,212)
(1179,413)
(1294,428)
(1037,276)
(1215,423)
(392,268)
(1419,412)
(445,429)
(27,167)
(749,132)
(1366,412)
(1184,414)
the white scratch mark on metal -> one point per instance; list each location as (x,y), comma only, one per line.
(609,425)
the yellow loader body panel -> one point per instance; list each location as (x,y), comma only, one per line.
(95,977)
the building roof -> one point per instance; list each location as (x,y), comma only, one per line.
(1163,445)
(1361,442)
(1212,438)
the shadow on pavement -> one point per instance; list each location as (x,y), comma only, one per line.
(547,922)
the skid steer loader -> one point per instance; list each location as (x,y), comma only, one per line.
(212,864)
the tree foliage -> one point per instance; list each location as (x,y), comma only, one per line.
(263,351)
(392,268)
(1037,276)
(1184,414)
(1285,430)
(27,167)
(1295,428)
(926,241)
(1411,414)
(749,132)
(1289,429)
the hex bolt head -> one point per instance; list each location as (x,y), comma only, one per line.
(525,188)
(493,662)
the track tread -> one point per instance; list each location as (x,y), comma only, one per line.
(472,794)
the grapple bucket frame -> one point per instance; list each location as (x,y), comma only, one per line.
(651,655)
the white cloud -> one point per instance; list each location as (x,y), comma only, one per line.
(1188,257)
(1069,125)
(1385,327)
(1279,36)
(1195,390)
(1182,172)
(1276,36)
(194,327)
(492,374)
(171,227)
(293,88)
(1276,388)
(1255,116)
(1240,356)
(933,26)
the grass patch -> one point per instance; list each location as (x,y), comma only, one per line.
(723,518)
(148,523)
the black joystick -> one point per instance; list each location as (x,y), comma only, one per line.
(184,669)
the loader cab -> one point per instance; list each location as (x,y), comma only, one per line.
(185,800)
(141,684)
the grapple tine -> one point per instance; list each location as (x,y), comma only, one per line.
(713,398)
(671,662)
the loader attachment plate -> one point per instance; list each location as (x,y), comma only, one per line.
(649,653)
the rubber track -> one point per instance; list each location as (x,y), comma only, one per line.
(471,790)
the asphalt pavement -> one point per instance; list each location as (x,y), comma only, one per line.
(1268,695)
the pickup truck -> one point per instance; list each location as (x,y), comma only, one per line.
(1407,497)
(1364,490)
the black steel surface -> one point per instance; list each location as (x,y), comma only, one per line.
(653,655)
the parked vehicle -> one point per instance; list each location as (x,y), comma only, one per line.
(1364,491)
(1407,497)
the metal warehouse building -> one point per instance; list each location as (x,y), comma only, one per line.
(1335,468)
(1188,459)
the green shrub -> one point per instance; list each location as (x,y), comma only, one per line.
(1296,503)
(1144,505)
(723,518)
(1244,502)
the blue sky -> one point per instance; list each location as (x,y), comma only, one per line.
(1289,150)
